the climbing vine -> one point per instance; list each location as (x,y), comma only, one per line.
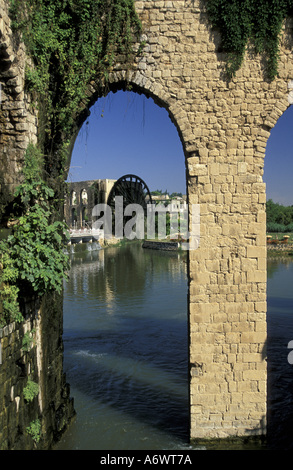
(256,21)
(32,257)
(35,429)
(31,390)
(72,42)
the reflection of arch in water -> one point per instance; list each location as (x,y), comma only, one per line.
(125,274)
(83,272)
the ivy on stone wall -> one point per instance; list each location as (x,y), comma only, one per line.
(258,22)
(32,258)
(71,43)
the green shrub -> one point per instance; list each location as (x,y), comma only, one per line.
(28,340)
(289,228)
(32,257)
(31,390)
(275,227)
(34,429)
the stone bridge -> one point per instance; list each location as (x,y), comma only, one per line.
(224,127)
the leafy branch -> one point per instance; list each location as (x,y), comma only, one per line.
(71,43)
(32,257)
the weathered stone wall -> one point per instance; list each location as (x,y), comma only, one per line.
(16,366)
(43,363)
(18,115)
(97,193)
(32,351)
(224,127)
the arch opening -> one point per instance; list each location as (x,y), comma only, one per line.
(137,102)
(84,197)
(278,169)
(135,286)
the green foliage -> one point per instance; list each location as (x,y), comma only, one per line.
(279,217)
(34,429)
(157,192)
(72,42)
(28,340)
(32,256)
(10,306)
(258,21)
(31,390)
(273,227)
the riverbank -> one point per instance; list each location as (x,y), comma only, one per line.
(277,250)
(83,245)
(163,245)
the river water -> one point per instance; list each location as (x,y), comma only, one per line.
(280,371)
(126,350)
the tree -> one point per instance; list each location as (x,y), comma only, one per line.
(279,217)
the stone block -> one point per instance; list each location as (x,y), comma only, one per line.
(256,252)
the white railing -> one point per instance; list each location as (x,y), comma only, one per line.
(86,232)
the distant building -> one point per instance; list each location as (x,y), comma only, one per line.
(81,198)
(175,204)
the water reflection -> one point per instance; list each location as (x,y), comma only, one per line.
(125,336)
(280,372)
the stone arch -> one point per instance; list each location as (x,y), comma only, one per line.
(270,120)
(138,83)
(73,217)
(260,142)
(279,108)
(73,198)
(84,216)
(84,197)
(223,128)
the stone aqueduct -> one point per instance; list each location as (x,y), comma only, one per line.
(224,127)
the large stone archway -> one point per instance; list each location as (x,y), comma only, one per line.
(223,127)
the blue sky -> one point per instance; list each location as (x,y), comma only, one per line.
(129,133)
(278,168)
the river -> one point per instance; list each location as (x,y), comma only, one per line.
(126,350)
(280,371)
